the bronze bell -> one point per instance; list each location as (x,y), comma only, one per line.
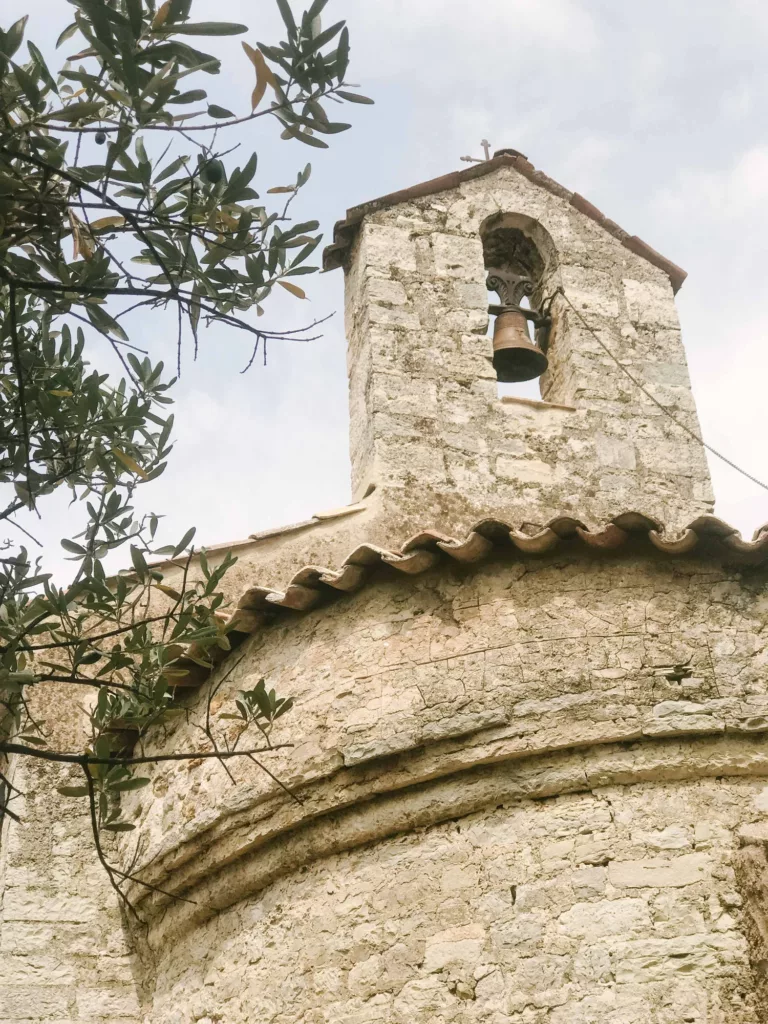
(515,357)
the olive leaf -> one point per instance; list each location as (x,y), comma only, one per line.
(293,289)
(264,75)
(205,28)
(219,112)
(129,463)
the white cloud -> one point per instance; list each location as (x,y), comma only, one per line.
(589,161)
(466,44)
(259,450)
(739,190)
(737,102)
(729,383)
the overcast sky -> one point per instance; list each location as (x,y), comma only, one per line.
(656,112)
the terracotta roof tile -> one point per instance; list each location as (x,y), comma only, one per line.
(345,230)
(312,586)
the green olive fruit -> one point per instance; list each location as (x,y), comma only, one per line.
(214,172)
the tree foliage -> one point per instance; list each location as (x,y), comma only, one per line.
(117,193)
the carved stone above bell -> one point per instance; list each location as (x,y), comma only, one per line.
(511,285)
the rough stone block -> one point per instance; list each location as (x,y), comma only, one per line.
(658,873)
(455,946)
(607,917)
(524,471)
(457,256)
(107,1002)
(385,247)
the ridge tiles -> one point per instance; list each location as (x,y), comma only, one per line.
(344,231)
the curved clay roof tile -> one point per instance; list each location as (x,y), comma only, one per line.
(313,585)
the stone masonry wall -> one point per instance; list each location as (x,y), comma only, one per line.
(63,952)
(64,955)
(523,791)
(618,905)
(427,425)
(751,866)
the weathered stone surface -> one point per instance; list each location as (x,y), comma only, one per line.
(640,874)
(481,689)
(467,920)
(436,340)
(63,954)
(751,870)
(530,792)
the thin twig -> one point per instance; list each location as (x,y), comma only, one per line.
(12,522)
(91,639)
(274,778)
(656,402)
(97,843)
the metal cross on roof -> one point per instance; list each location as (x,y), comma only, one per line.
(476,159)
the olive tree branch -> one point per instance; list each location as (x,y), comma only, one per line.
(86,759)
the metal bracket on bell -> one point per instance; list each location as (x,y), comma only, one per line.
(538,319)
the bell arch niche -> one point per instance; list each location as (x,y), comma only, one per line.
(519,260)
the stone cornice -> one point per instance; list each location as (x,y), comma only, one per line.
(252,848)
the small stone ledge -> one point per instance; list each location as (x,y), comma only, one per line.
(376,748)
(372,766)
(534,403)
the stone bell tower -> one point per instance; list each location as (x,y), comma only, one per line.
(427,422)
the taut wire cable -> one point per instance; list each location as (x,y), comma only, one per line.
(647,393)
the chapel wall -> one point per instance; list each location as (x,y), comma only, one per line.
(504,693)
(533,791)
(64,954)
(618,904)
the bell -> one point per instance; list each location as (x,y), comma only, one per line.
(515,357)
